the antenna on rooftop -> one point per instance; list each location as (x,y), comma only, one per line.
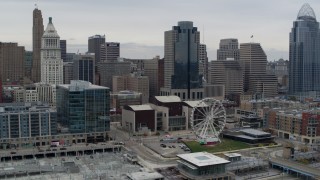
(36,4)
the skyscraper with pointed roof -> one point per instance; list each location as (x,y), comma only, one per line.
(304,54)
(51,62)
(37,32)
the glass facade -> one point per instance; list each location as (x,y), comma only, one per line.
(304,57)
(86,69)
(186,61)
(84,110)
(28,123)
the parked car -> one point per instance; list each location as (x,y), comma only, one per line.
(163,145)
(187,149)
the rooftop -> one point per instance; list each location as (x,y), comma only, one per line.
(254,132)
(306,13)
(50,31)
(230,155)
(202,159)
(144,175)
(78,85)
(168,99)
(195,103)
(140,107)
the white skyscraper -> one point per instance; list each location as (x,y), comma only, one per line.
(51,62)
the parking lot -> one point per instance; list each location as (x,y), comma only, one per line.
(167,149)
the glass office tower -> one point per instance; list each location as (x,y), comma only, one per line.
(83,107)
(181,62)
(304,57)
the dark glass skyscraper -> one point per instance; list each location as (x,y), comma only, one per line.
(63,46)
(94,45)
(181,61)
(304,57)
(84,68)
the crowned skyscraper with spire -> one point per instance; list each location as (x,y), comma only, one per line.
(304,56)
(51,62)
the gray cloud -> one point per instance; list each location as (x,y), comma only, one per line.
(144,22)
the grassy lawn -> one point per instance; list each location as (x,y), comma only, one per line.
(225,145)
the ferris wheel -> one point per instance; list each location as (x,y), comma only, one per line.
(208,118)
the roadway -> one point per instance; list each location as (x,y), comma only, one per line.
(146,155)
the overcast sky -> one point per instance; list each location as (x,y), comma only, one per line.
(139,25)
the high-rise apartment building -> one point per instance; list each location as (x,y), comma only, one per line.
(151,70)
(11,62)
(253,61)
(304,53)
(203,61)
(110,51)
(51,62)
(37,32)
(94,45)
(228,73)
(63,47)
(84,68)
(83,107)
(181,62)
(228,49)
(18,121)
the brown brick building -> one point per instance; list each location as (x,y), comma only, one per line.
(297,125)
(11,62)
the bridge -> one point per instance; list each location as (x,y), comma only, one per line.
(294,168)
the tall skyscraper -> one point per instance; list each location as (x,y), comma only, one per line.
(110,51)
(11,62)
(181,62)
(51,62)
(63,46)
(304,55)
(254,63)
(94,45)
(228,48)
(253,60)
(84,68)
(203,61)
(37,32)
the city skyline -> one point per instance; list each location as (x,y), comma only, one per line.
(141,36)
